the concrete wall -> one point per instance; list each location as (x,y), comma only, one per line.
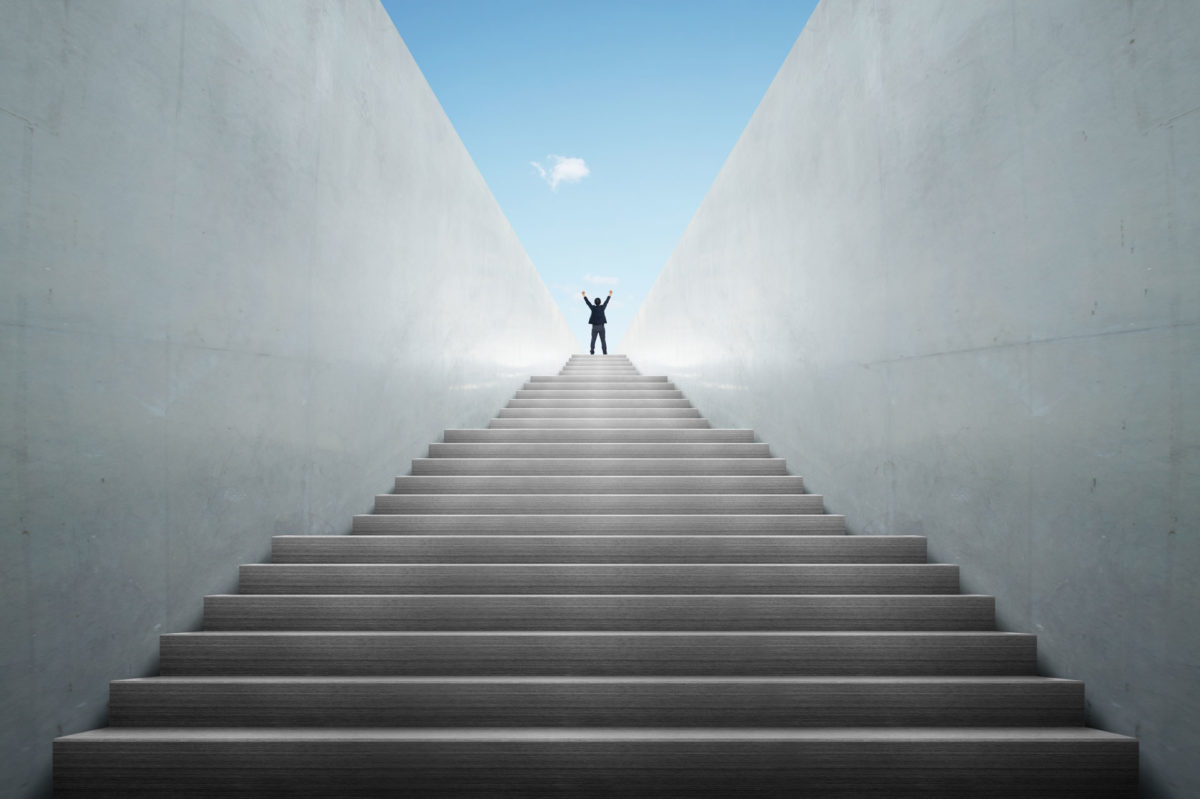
(249,272)
(950,272)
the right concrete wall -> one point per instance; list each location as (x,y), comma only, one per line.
(950,271)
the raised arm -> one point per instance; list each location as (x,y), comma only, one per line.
(585,299)
(609,297)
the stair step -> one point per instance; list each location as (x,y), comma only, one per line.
(598,578)
(597,549)
(593,450)
(598,403)
(590,763)
(601,384)
(600,612)
(607,524)
(599,484)
(583,435)
(602,370)
(729,654)
(597,424)
(599,413)
(600,466)
(585,370)
(600,504)
(595,701)
(586,377)
(598,394)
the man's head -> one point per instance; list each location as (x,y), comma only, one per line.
(597,300)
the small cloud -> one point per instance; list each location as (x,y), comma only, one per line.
(600,280)
(559,169)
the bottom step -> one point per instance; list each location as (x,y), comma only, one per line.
(537,762)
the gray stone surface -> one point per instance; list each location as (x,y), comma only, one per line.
(950,273)
(629,629)
(249,272)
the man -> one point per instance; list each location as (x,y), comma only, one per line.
(597,321)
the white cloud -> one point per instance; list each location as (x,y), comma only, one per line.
(559,169)
(600,280)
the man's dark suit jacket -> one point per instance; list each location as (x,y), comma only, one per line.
(597,312)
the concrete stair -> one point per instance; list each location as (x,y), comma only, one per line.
(598,595)
(493,701)
(575,549)
(600,524)
(601,504)
(611,424)
(593,762)
(583,435)
(598,578)
(609,413)
(599,612)
(599,484)
(600,465)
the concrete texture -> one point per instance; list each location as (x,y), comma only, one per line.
(249,272)
(949,272)
(598,763)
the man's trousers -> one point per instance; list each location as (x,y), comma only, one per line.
(598,330)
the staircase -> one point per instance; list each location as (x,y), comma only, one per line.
(597,596)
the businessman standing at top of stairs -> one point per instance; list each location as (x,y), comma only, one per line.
(598,321)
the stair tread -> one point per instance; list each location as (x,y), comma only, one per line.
(657,516)
(602,484)
(620,566)
(609,596)
(591,548)
(613,449)
(713,634)
(617,467)
(408,503)
(522,577)
(590,611)
(564,734)
(560,523)
(557,495)
(611,680)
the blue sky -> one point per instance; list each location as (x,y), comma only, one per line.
(650,96)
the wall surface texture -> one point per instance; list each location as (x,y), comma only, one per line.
(249,271)
(951,272)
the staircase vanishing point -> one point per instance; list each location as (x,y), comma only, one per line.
(598,595)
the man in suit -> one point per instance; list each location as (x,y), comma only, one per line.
(597,321)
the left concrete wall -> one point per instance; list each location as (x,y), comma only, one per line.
(249,272)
